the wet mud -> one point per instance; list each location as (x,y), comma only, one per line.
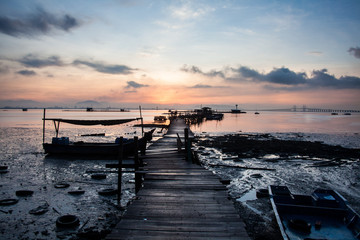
(255,161)
(55,186)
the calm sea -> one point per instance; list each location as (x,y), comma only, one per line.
(21,150)
(333,129)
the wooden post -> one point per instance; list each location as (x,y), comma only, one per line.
(44,126)
(120,157)
(186,135)
(137,164)
(142,122)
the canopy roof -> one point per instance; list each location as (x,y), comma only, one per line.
(91,122)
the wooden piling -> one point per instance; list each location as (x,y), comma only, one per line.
(120,157)
(138,176)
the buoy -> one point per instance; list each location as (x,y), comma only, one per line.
(24,193)
(76,192)
(3,167)
(98,176)
(108,192)
(40,210)
(8,201)
(62,185)
(67,221)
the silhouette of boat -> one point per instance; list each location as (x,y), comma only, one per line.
(62,145)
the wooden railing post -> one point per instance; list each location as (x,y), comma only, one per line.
(120,157)
(137,164)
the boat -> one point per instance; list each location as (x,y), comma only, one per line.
(215,116)
(325,214)
(160,118)
(63,145)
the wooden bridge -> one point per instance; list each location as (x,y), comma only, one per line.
(179,199)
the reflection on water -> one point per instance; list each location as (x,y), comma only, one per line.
(271,122)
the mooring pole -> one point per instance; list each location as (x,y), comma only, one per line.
(142,122)
(186,135)
(44,126)
(120,157)
(137,164)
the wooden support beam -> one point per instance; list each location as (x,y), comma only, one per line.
(120,157)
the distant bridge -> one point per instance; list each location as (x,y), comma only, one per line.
(306,109)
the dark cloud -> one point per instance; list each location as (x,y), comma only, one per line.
(196,70)
(41,22)
(355,51)
(35,62)
(132,84)
(26,72)
(101,67)
(321,78)
(283,78)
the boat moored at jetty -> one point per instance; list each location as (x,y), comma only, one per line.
(325,214)
(63,145)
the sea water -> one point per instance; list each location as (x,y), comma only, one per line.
(21,137)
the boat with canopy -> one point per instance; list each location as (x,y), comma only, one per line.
(62,145)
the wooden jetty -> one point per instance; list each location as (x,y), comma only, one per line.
(179,199)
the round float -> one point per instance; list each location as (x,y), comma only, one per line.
(98,176)
(108,192)
(24,193)
(76,192)
(67,221)
(62,185)
(8,201)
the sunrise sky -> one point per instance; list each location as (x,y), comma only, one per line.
(253,53)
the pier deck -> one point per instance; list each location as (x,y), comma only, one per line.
(179,200)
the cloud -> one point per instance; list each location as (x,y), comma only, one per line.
(105,68)
(40,22)
(196,70)
(26,72)
(132,84)
(206,86)
(201,86)
(188,11)
(35,62)
(3,69)
(281,78)
(355,51)
(315,53)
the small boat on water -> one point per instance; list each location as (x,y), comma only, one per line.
(323,215)
(160,118)
(215,116)
(63,145)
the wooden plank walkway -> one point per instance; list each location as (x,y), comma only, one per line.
(179,200)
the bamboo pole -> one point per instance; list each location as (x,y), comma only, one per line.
(142,122)
(44,126)
(120,157)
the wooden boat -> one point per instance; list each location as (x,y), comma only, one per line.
(62,145)
(323,215)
